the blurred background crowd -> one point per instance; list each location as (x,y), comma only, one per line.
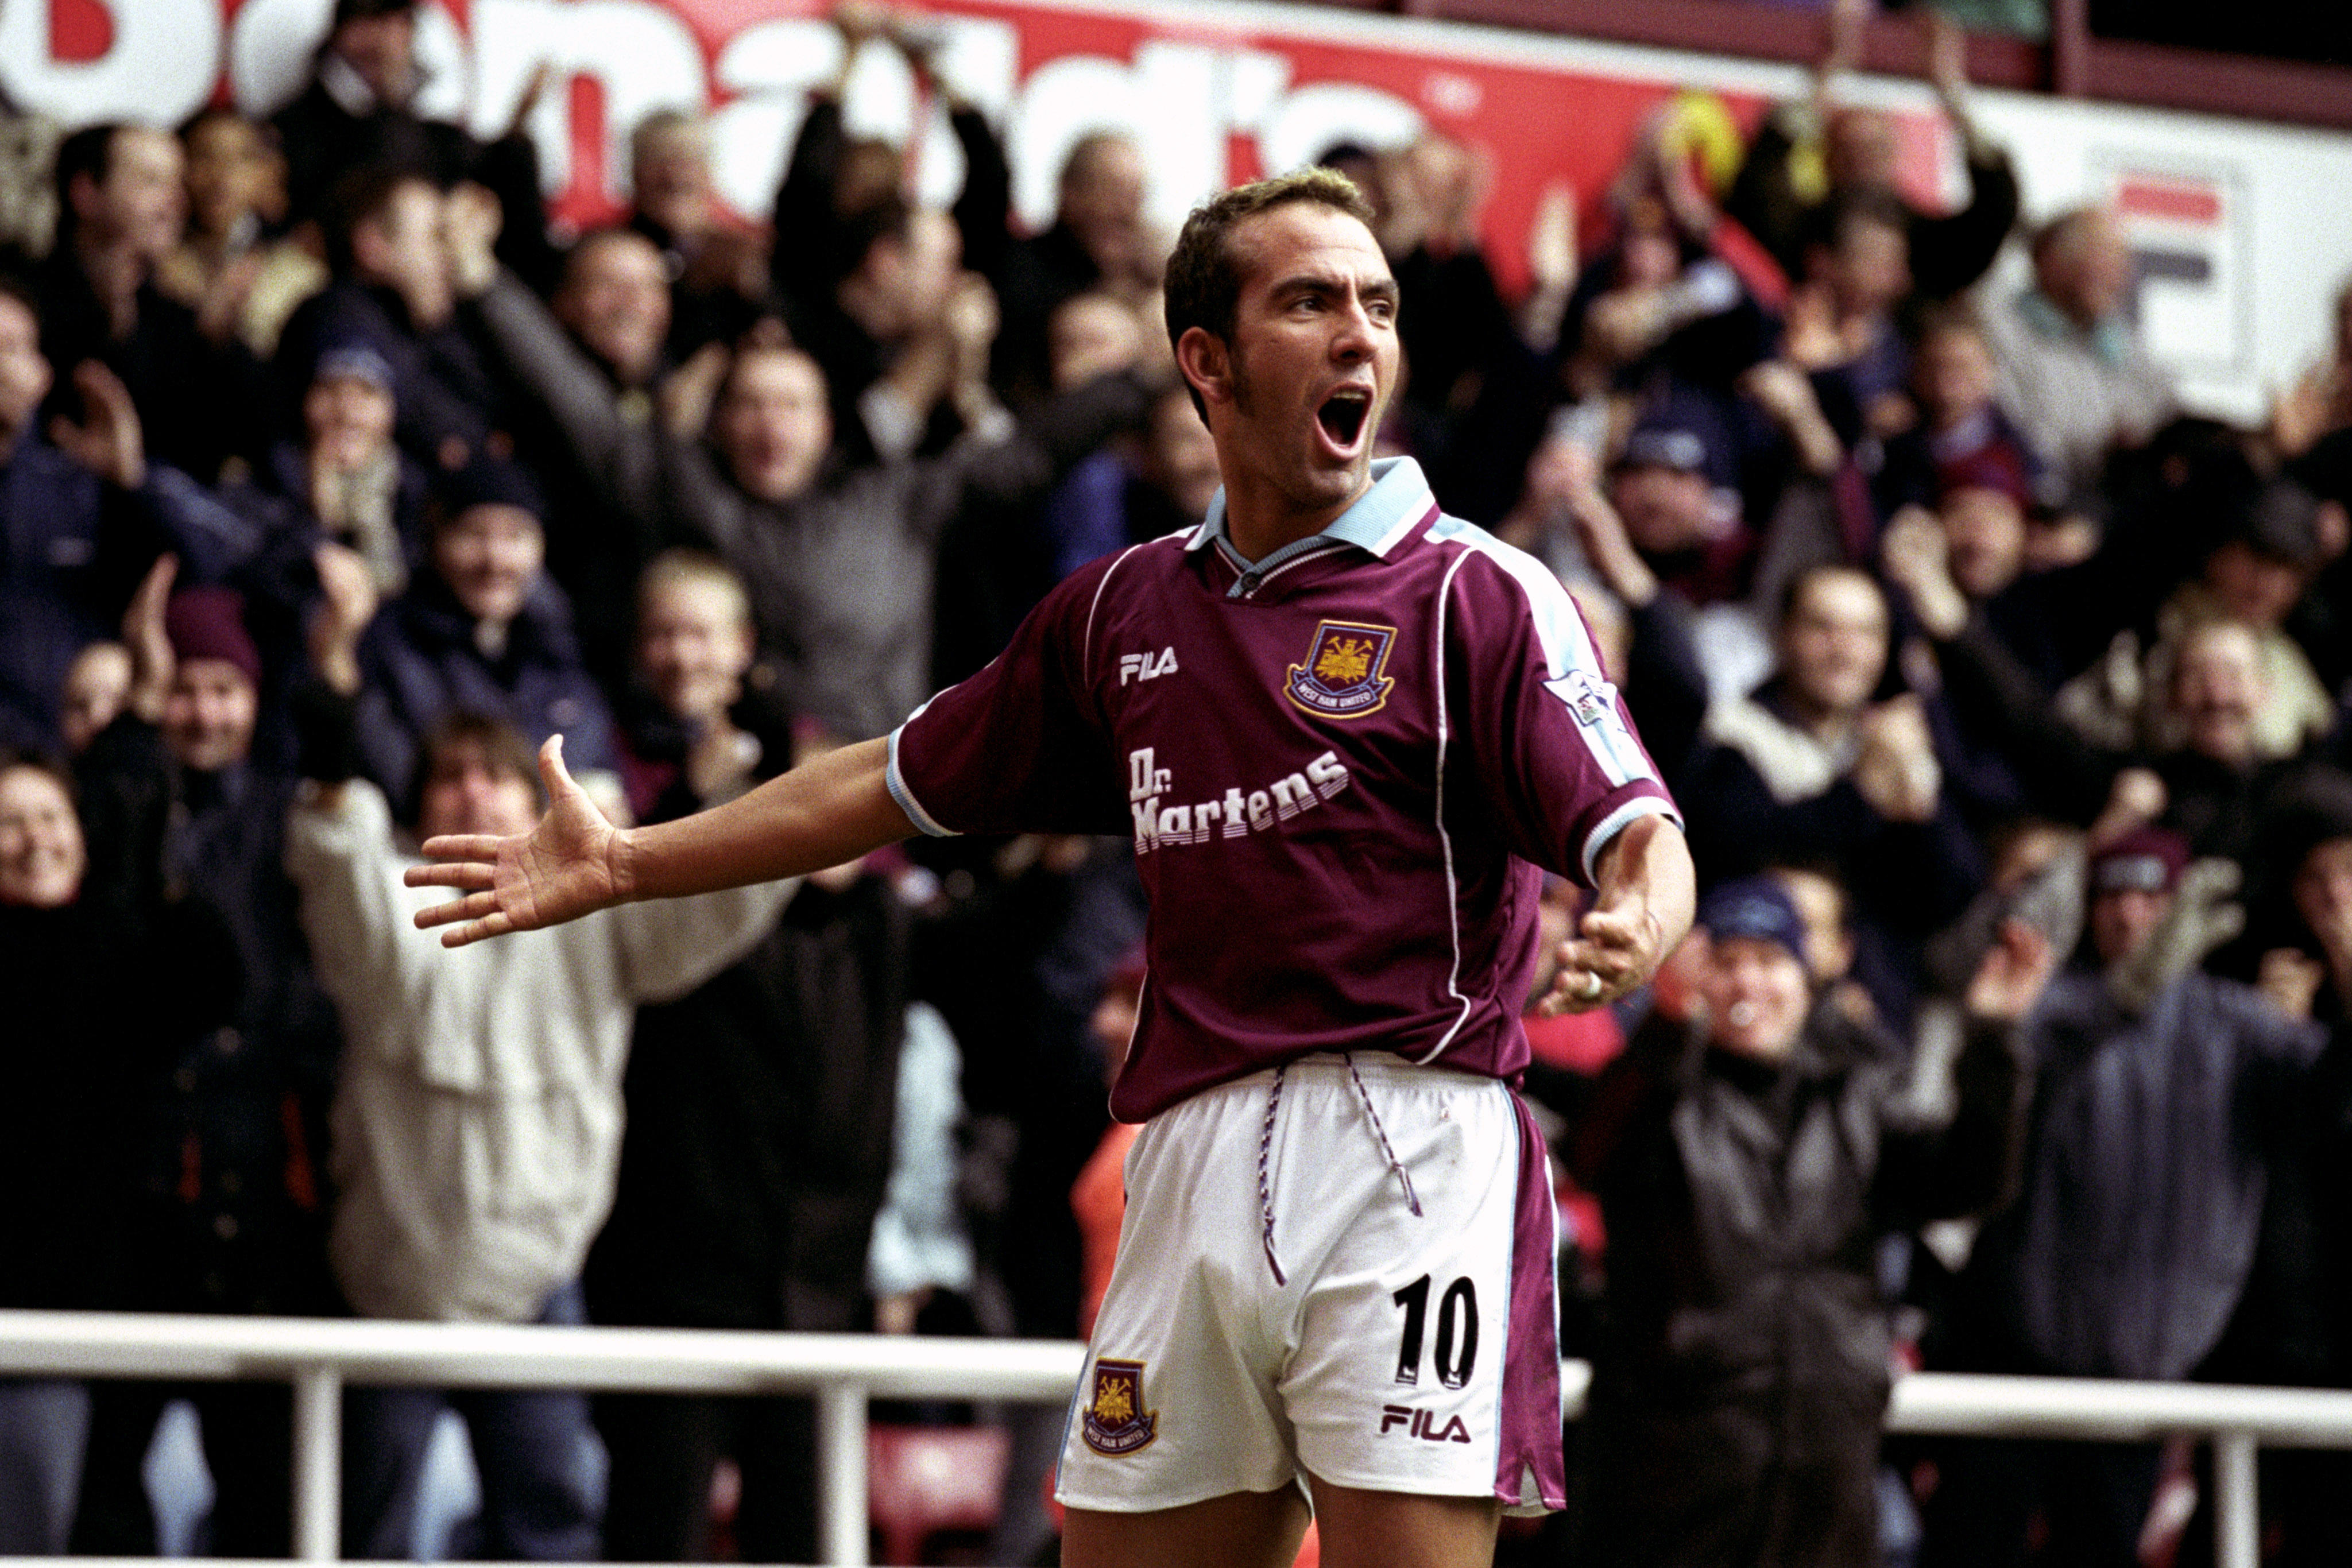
(2004,701)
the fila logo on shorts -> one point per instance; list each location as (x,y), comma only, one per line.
(1146,666)
(1115,1422)
(1341,677)
(1417,1423)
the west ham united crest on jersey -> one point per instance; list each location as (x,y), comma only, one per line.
(1358,746)
(1341,675)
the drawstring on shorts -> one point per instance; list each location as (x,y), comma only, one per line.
(1411,1201)
(1266,1187)
(1266,1147)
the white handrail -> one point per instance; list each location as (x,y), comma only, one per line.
(319,1356)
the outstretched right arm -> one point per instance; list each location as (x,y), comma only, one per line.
(832,809)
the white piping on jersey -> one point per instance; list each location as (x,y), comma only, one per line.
(1087,647)
(1567,649)
(1445,839)
(897,782)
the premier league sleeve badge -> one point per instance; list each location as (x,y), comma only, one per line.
(1341,677)
(1115,1421)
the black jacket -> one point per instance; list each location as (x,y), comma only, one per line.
(2146,1177)
(1744,1367)
(760,1112)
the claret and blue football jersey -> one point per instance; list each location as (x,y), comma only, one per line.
(1340,765)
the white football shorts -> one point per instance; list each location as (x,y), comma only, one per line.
(1411,1342)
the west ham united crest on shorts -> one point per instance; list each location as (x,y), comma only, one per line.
(1115,1421)
(1341,677)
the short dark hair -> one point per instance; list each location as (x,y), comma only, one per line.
(1203,286)
(603,234)
(503,750)
(89,150)
(362,195)
(1793,591)
(16,284)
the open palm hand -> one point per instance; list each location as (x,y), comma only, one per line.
(571,863)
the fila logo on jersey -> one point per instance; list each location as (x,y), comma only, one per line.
(1146,666)
(1232,814)
(1341,677)
(1417,1423)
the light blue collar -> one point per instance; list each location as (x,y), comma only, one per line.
(1378,522)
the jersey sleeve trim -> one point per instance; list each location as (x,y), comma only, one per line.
(1616,823)
(897,780)
(1572,667)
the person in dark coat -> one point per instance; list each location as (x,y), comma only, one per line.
(2162,1103)
(1748,1159)
(394,292)
(120,209)
(485,630)
(74,535)
(83,904)
(226,1212)
(759,1109)
(359,110)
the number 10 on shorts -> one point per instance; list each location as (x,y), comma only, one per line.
(1458,1330)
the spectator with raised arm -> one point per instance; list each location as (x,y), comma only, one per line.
(2074,373)
(759,1109)
(1816,149)
(1743,1373)
(841,564)
(1815,766)
(228,1140)
(2161,1099)
(76,534)
(717,267)
(591,363)
(120,209)
(360,110)
(866,274)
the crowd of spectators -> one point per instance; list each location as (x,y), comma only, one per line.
(2005,702)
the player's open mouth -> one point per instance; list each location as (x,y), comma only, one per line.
(1342,416)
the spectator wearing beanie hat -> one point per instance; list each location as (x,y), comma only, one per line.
(225,1215)
(1740,1380)
(2161,1108)
(484,630)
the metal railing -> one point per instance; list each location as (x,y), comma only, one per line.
(319,1356)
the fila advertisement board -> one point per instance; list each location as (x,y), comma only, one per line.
(2243,232)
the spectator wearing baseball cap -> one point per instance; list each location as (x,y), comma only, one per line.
(347,471)
(1740,1380)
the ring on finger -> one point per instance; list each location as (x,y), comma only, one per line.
(1589,989)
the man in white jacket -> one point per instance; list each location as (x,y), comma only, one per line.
(478,1123)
